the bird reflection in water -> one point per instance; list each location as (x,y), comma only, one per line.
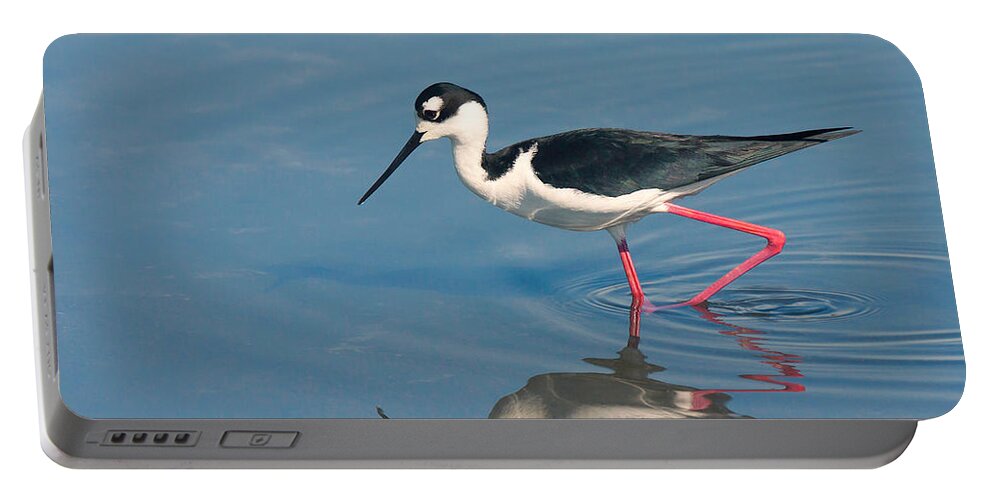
(629,392)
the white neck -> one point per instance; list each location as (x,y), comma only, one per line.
(468,130)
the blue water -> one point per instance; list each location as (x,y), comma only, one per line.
(211,261)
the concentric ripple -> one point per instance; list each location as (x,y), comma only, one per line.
(678,279)
(792,305)
(605,293)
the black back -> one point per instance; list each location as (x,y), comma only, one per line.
(614,162)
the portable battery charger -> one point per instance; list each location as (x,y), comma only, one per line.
(591,251)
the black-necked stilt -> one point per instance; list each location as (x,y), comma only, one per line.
(592,179)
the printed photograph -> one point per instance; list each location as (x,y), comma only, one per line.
(496,226)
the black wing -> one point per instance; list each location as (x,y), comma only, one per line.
(613,162)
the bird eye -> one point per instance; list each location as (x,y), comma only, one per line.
(430,114)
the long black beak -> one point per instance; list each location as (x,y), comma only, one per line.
(412,143)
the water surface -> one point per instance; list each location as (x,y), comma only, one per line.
(211,260)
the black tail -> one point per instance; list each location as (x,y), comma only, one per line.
(743,152)
(818,135)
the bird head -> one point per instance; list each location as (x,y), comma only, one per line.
(447,110)
(442,110)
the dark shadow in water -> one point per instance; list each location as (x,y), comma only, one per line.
(629,392)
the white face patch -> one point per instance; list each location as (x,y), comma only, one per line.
(433,104)
(468,125)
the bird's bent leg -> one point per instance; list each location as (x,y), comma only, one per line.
(775,238)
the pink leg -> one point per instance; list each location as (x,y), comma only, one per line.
(638,301)
(775,238)
(634,324)
(637,294)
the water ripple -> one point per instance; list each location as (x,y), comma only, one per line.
(678,278)
(793,305)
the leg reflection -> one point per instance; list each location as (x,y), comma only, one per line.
(628,391)
(785,364)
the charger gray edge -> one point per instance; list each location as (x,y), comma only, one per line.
(78,442)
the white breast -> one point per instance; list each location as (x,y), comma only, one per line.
(520,192)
